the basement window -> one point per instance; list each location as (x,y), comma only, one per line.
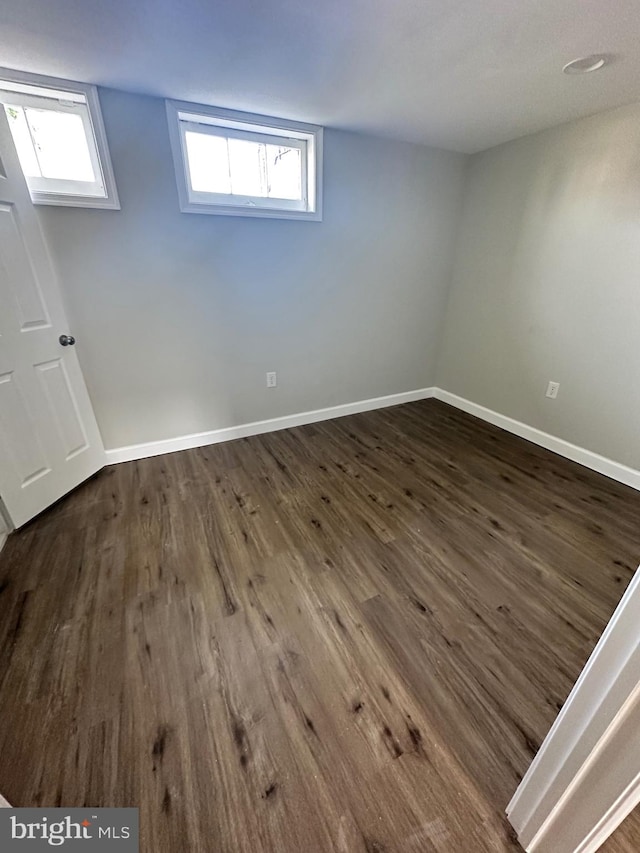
(238,164)
(60,140)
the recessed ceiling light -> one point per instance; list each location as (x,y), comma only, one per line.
(586,64)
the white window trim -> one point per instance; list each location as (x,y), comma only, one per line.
(180,113)
(47,84)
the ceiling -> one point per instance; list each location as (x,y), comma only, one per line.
(459,74)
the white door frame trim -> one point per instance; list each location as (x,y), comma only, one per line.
(5,524)
(588,759)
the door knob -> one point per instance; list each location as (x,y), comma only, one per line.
(67,340)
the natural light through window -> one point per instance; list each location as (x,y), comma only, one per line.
(218,164)
(50,144)
(62,157)
(227,163)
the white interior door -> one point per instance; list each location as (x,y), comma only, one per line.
(49,438)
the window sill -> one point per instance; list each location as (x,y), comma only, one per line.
(260,212)
(56,200)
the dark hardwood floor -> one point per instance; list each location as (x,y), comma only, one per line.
(351,636)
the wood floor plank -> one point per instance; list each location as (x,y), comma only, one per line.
(350,636)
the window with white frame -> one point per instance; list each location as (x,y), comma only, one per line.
(244,165)
(57,129)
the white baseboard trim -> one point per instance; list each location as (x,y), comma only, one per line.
(614,470)
(215,436)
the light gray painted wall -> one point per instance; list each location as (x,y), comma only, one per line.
(547,284)
(179,316)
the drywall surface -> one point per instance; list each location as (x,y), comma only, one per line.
(179,316)
(546,284)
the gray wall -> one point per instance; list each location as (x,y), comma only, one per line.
(179,316)
(547,284)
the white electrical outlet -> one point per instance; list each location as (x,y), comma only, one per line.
(272,379)
(552,390)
